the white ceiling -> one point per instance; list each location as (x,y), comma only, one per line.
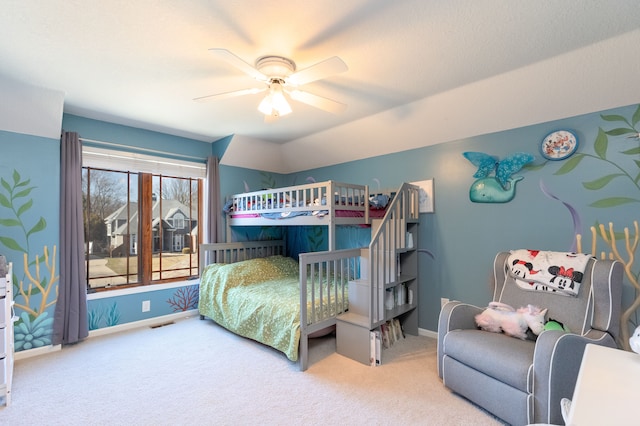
(142,62)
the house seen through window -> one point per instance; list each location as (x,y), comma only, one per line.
(140,228)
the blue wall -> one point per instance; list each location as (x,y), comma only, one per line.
(29,230)
(135,138)
(461,238)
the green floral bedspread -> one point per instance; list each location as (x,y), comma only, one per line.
(258,299)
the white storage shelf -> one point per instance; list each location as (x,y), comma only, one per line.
(6,335)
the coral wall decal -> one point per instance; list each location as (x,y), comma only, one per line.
(630,245)
(37,290)
(184,299)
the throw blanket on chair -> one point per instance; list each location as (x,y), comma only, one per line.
(558,272)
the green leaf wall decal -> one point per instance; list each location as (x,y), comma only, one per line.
(10,222)
(38,226)
(4,201)
(601,182)
(23,193)
(632,151)
(613,117)
(620,131)
(570,164)
(601,144)
(613,202)
(12,244)
(636,116)
(23,208)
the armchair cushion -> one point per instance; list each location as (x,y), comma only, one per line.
(471,347)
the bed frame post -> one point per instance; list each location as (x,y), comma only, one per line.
(304,351)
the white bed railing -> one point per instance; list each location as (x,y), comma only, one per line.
(311,197)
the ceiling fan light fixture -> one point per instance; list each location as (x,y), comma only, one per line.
(265,106)
(275,103)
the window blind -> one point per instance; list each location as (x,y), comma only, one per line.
(130,161)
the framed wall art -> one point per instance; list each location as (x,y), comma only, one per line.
(426,195)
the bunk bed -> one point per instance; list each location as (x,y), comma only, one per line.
(319,292)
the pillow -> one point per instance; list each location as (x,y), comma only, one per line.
(379,201)
(257,270)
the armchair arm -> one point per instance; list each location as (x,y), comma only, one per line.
(458,316)
(556,364)
(455,316)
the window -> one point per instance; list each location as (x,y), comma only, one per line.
(141,226)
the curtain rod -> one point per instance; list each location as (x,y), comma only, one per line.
(154,151)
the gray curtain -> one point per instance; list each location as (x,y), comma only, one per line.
(213,229)
(70,319)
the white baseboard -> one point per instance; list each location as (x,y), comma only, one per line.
(428,333)
(150,322)
(29,353)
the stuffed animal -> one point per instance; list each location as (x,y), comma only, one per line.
(555,325)
(502,318)
(634,340)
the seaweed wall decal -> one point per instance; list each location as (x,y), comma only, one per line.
(104,316)
(601,146)
(628,171)
(15,194)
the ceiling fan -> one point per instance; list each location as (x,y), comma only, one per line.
(280,76)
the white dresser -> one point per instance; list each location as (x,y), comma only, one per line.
(6,330)
(606,392)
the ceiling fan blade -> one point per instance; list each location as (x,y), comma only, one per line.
(234,60)
(227,95)
(324,69)
(320,102)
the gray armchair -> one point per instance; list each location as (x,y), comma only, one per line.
(523,381)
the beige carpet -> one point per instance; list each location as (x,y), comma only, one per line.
(194,372)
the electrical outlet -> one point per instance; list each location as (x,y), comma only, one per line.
(443,301)
(146,305)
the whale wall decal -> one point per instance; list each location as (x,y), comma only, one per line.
(489,190)
(501,187)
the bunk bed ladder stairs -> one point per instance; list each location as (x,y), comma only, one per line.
(381,270)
